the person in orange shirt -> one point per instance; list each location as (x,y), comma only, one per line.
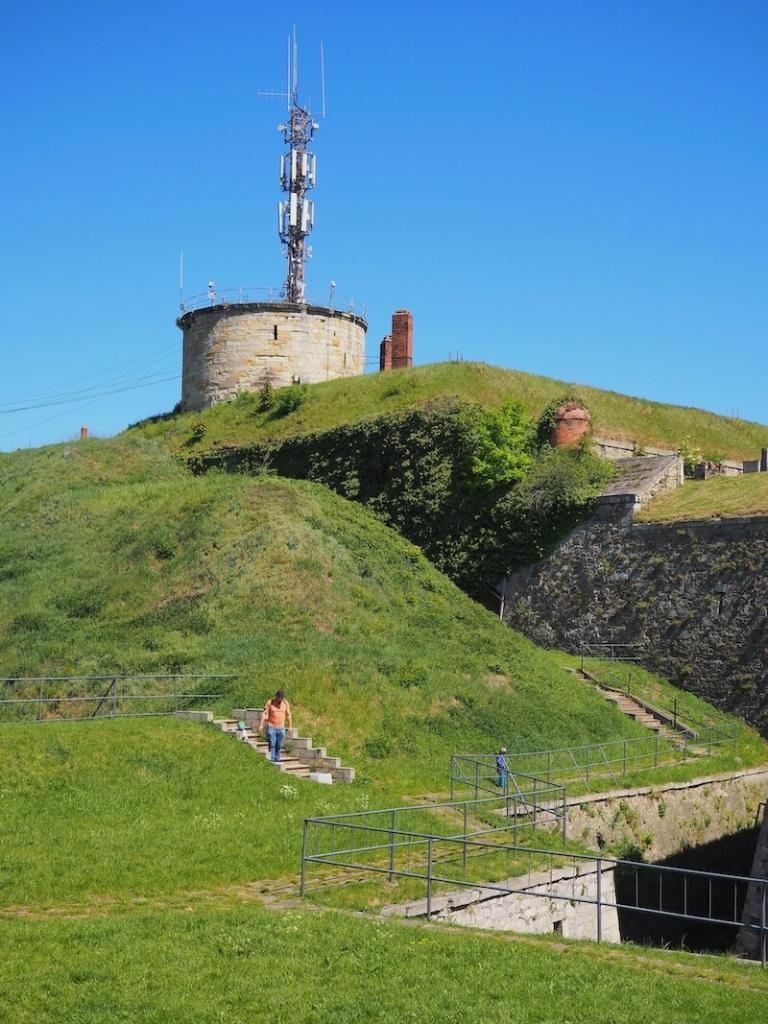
(277,713)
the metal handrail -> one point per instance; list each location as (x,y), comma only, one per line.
(254,293)
(408,840)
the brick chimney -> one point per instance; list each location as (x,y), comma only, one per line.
(402,339)
(83,433)
(385,353)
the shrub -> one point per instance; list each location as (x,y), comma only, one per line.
(288,400)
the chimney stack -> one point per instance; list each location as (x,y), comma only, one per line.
(402,339)
(385,353)
(83,433)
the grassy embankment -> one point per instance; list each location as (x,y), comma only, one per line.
(718,498)
(343,401)
(113,559)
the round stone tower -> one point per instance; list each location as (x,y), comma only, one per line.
(229,348)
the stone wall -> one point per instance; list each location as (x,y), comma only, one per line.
(665,819)
(694,594)
(229,349)
(544,902)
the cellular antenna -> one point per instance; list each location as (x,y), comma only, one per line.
(298,174)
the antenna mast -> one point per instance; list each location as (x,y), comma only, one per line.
(298,173)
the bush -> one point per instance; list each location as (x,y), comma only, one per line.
(288,400)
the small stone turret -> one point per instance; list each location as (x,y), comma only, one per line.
(571,424)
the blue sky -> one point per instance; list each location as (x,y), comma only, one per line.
(576,189)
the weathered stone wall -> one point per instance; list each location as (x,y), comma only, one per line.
(665,819)
(229,349)
(695,594)
(544,902)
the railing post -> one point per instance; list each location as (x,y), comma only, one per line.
(534,805)
(303,882)
(762,928)
(464,844)
(429,878)
(625,758)
(599,900)
(392,845)
(549,766)
(477,771)
(565,818)
(40,701)
(453,794)
(114,697)
(655,750)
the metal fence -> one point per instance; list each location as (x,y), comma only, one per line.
(381,841)
(25,699)
(444,861)
(240,296)
(613,758)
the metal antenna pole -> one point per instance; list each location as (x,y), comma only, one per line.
(298,174)
(298,168)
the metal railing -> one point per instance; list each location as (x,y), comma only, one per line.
(240,296)
(614,758)
(612,651)
(376,838)
(685,894)
(79,698)
(704,731)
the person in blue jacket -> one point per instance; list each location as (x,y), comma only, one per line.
(501,767)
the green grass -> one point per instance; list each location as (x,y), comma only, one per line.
(343,401)
(718,498)
(239,964)
(113,559)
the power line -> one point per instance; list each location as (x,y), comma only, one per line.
(92,392)
(85,405)
(55,390)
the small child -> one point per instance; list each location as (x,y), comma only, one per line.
(501,767)
(242,732)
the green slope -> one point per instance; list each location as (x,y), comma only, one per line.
(114,559)
(343,401)
(718,498)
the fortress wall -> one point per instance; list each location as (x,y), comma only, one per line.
(695,594)
(229,349)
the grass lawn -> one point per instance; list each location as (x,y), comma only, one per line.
(342,401)
(718,498)
(240,964)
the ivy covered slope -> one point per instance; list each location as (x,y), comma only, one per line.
(338,402)
(113,558)
(478,489)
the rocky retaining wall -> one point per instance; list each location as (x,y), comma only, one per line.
(665,819)
(544,902)
(694,594)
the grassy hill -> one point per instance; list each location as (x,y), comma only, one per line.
(114,559)
(330,404)
(718,498)
(133,852)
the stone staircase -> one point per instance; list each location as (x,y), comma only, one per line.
(299,758)
(640,713)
